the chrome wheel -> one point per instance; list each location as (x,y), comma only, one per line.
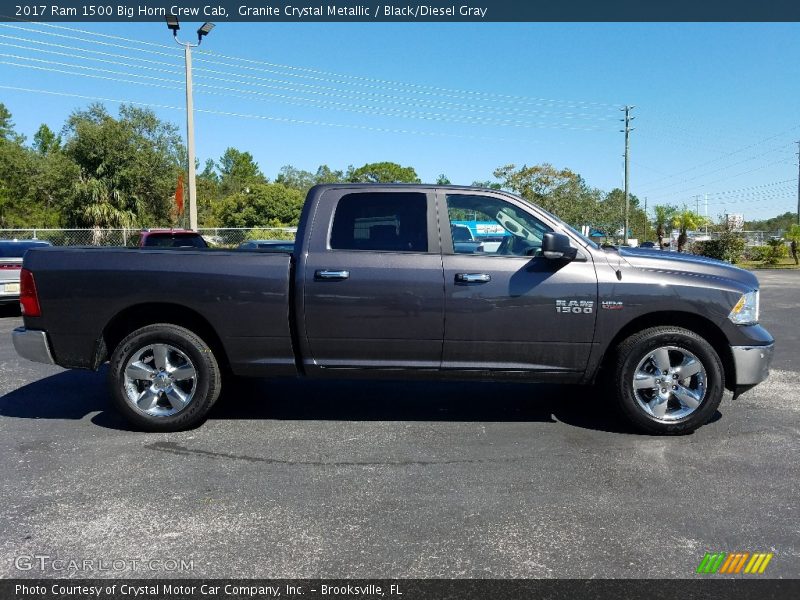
(669,383)
(159,380)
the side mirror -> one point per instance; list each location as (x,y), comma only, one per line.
(555,246)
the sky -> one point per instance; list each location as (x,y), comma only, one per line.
(717,106)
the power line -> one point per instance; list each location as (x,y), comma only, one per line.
(746,200)
(753,187)
(726,178)
(661,191)
(234,92)
(737,151)
(76,56)
(341,79)
(266,117)
(315,91)
(329,73)
(105,53)
(72,38)
(76,30)
(51,70)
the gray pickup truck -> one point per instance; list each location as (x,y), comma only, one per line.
(375,289)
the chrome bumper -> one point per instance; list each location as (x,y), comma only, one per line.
(752,363)
(32,344)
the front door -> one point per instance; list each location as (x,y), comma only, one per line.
(508,307)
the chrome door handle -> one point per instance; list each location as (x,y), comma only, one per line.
(331,275)
(472,277)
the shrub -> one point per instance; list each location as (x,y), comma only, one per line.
(757,253)
(275,231)
(777,251)
(728,247)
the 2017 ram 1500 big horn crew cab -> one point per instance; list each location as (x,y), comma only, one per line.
(375,289)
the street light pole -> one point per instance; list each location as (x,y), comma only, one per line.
(172,24)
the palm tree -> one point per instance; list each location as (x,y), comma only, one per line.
(102,205)
(664,214)
(683,221)
(793,235)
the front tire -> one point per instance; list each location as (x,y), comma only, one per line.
(164,378)
(668,380)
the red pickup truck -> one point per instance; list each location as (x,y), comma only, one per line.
(171,238)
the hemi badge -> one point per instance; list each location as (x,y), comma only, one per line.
(611,305)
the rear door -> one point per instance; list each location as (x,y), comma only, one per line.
(372,282)
(512,309)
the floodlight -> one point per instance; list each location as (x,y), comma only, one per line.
(205,29)
(172,23)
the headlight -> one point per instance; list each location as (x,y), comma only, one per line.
(746,310)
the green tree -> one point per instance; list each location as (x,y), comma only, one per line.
(560,191)
(238,171)
(35,183)
(128,167)
(684,221)
(45,141)
(265,205)
(7,131)
(443,180)
(609,214)
(53,185)
(209,171)
(489,185)
(17,172)
(382,172)
(779,223)
(296,179)
(325,174)
(664,214)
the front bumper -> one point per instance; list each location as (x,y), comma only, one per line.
(32,344)
(752,363)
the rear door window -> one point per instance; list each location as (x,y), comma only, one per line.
(382,221)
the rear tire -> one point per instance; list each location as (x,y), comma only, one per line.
(668,380)
(164,378)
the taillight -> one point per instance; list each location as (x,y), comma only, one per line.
(10,267)
(28,299)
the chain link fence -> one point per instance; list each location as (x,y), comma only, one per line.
(230,237)
(218,237)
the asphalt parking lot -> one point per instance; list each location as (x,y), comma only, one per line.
(355,479)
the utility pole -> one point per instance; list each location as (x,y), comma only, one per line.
(627,120)
(798,182)
(644,229)
(174,26)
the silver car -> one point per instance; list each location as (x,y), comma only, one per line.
(11,254)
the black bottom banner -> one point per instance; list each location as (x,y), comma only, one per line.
(398,589)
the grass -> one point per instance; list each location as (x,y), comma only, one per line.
(784,263)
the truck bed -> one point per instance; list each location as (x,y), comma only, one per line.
(84,290)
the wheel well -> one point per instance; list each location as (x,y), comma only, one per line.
(140,315)
(700,325)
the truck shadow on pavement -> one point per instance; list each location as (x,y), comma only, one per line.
(77,394)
